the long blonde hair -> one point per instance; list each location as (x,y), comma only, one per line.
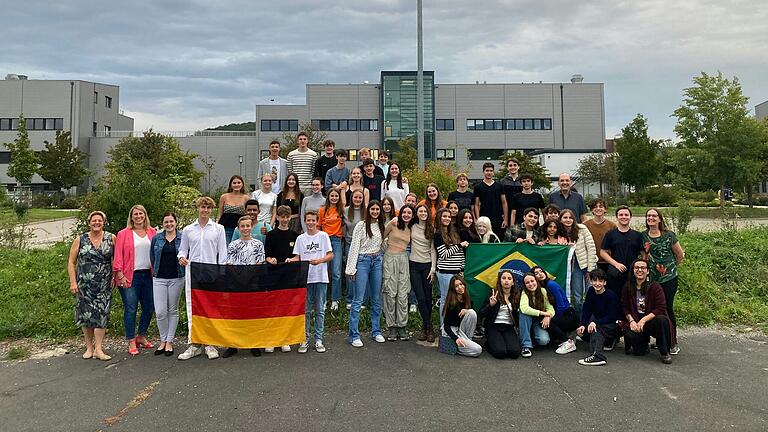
(130,224)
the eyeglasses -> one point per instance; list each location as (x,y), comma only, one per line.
(641,268)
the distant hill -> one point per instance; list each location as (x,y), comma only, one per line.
(247,126)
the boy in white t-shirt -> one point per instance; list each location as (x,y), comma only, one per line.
(314,246)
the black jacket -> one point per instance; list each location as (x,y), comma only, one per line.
(489,313)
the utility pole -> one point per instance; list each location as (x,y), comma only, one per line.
(420,91)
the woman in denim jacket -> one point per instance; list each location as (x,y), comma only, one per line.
(168,283)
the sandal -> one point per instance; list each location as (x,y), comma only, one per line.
(87,355)
(146,344)
(133,350)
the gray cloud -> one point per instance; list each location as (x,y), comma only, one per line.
(194,64)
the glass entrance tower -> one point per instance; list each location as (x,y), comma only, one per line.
(398,109)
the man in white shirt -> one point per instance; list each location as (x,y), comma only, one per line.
(275,165)
(203,241)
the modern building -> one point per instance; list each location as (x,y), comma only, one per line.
(761,110)
(468,124)
(84,108)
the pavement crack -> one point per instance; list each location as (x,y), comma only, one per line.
(137,400)
(560,385)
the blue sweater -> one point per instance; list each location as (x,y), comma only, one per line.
(561,301)
(601,308)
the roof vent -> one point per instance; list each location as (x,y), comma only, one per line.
(577,79)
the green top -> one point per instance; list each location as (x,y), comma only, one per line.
(527,309)
(661,258)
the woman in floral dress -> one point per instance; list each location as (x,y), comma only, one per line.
(90,280)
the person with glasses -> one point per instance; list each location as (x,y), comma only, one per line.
(644,306)
(664,254)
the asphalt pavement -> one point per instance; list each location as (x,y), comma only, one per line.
(718,382)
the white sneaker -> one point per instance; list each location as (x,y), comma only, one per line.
(192,351)
(349,306)
(566,347)
(319,347)
(379,339)
(334,306)
(357,343)
(362,307)
(269,350)
(211,352)
(412,309)
(303,347)
(285,348)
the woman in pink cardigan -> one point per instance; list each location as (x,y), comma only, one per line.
(133,276)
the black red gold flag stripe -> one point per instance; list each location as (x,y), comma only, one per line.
(254,306)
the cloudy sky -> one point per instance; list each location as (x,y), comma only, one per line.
(191,64)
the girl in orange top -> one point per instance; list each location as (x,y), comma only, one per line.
(433,201)
(331,219)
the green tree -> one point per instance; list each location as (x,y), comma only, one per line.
(406,155)
(316,138)
(601,168)
(145,170)
(710,125)
(638,163)
(527,166)
(61,164)
(752,157)
(23,164)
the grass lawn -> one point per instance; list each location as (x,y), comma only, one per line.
(40,214)
(710,212)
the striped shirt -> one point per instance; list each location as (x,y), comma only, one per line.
(303,165)
(450,259)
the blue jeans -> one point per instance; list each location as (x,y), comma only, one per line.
(335,268)
(315,298)
(577,288)
(350,294)
(443,280)
(530,324)
(140,292)
(369,274)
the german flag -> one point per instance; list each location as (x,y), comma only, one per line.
(251,306)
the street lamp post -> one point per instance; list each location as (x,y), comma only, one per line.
(240,160)
(420,90)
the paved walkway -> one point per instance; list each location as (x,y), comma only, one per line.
(49,232)
(718,382)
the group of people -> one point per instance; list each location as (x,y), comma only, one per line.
(396,247)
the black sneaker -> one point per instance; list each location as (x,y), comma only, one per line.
(402,334)
(526,353)
(392,336)
(609,346)
(666,359)
(255,352)
(592,361)
(229,352)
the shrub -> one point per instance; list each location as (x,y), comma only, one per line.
(70,203)
(661,196)
(681,217)
(443,175)
(5,200)
(43,201)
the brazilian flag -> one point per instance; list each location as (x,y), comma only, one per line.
(485,261)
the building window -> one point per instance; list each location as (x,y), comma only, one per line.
(5,124)
(264,154)
(107,130)
(39,124)
(96,97)
(444,124)
(485,154)
(108,101)
(346,125)
(58,124)
(446,154)
(95,128)
(279,125)
(14,124)
(508,124)
(368,125)
(353,154)
(5,157)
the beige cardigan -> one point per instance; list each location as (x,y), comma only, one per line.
(584,249)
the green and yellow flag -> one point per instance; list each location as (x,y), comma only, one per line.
(485,261)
